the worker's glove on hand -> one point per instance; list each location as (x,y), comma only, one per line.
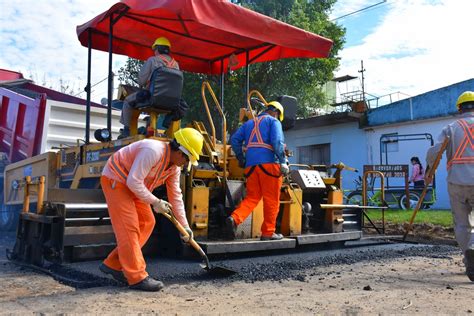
(241,160)
(284,169)
(161,207)
(190,233)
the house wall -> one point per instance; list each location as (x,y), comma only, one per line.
(425,113)
(408,149)
(347,144)
(433,104)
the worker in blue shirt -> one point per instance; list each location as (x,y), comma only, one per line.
(264,160)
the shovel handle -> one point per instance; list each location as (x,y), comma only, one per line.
(183,232)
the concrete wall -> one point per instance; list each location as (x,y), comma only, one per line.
(433,104)
(348,144)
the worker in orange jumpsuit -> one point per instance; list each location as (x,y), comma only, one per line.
(265,162)
(128,179)
(460,156)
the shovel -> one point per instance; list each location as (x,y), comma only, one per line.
(217,271)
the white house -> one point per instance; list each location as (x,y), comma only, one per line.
(390,134)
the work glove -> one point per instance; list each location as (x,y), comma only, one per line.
(241,160)
(161,207)
(190,233)
(284,169)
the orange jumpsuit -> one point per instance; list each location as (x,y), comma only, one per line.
(127,181)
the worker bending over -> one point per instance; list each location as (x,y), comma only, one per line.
(128,179)
(265,162)
(460,156)
(161,48)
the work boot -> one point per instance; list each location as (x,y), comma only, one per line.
(230,227)
(469,255)
(274,236)
(117,275)
(148,284)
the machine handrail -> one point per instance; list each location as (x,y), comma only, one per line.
(259,95)
(382,192)
(205,85)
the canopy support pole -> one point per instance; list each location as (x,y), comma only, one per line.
(222,85)
(111,75)
(110,88)
(247,76)
(88,86)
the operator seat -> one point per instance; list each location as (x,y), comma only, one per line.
(162,97)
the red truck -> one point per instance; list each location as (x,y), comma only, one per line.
(35,119)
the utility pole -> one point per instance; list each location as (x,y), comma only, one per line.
(362,70)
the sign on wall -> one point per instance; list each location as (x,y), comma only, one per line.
(389,171)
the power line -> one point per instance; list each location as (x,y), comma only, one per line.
(92,86)
(360,10)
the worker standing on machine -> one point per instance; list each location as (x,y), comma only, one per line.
(264,162)
(128,179)
(460,156)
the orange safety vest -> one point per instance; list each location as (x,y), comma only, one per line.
(464,153)
(170,63)
(120,165)
(258,143)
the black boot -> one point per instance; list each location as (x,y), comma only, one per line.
(117,275)
(148,284)
(230,228)
(469,255)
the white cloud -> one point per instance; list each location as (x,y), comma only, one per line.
(343,7)
(419,46)
(39,39)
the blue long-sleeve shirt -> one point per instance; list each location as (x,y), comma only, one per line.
(272,134)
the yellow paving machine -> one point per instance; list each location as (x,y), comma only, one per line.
(63,212)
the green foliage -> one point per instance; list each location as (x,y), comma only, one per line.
(301,78)
(436,217)
(128,74)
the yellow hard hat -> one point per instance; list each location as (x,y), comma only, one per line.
(190,141)
(279,107)
(161,41)
(466,96)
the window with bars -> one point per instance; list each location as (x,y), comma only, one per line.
(314,154)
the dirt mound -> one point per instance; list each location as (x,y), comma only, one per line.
(420,232)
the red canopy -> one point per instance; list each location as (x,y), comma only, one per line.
(201,32)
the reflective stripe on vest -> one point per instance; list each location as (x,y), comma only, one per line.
(259,143)
(170,63)
(465,152)
(122,172)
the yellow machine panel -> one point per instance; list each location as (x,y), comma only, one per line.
(333,218)
(15,173)
(290,200)
(197,207)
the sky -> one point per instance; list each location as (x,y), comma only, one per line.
(408,46)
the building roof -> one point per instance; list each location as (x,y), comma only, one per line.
(328,119)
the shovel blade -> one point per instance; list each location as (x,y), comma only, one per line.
(218,271)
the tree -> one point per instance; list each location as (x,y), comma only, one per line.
(302,78)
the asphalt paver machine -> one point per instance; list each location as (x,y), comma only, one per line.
(64,214)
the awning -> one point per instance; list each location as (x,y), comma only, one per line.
(202,34)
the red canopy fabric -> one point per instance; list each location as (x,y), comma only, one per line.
(202,33)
